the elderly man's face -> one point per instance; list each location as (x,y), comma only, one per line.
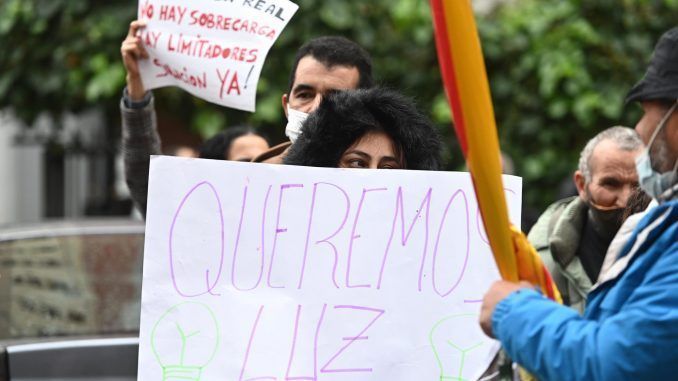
(613,176)
(664,150)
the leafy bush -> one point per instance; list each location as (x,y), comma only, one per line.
(559,72)
(559,69)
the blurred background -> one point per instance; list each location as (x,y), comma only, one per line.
(559,70)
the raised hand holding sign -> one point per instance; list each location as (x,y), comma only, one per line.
(214,49)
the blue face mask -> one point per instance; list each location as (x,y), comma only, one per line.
(652,182)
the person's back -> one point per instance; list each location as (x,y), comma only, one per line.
(630,326)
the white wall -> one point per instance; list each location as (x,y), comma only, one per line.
(22,165)
(21,175)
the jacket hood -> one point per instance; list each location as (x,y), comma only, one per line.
(343,117)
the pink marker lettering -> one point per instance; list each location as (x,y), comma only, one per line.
(249,347)
(278,230)
(468,247)
(237,242)
(325,240)
(209,285)
(355,236)
(294,344)
(315,341)
(400,210)
(351,340)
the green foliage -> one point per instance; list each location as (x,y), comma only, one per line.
(397,33)
(559,72)
(60,54)
(559,69)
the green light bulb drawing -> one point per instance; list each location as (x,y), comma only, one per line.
(453,344)
(184,341)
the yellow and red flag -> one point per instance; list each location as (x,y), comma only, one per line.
(468,92)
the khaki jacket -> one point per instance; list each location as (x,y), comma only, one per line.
(556,237)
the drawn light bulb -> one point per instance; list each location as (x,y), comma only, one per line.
(184,341)
(454,346)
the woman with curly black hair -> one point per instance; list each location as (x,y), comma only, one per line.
(369,128)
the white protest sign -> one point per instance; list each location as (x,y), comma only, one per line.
(214,49)
(272,272)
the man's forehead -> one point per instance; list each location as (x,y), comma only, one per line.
(311,73)
(608,156)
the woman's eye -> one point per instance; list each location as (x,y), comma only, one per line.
(390,165)
(357,163)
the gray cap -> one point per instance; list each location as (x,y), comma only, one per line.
(661,78)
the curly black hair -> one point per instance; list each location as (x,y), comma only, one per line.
(344,117)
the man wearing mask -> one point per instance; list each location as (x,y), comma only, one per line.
(573,234)
(629,328)
(323,64)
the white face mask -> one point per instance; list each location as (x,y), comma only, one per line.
(652,182)
(294,121)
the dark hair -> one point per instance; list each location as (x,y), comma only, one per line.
(336,51)
(217,146)
(343,117)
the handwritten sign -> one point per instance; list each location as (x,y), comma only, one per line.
(270,272)
(214,49)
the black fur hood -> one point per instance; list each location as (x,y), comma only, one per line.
(343,117)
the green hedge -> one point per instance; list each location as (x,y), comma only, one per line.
(559,69)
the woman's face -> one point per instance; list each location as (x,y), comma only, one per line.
(374,150)
(246,148)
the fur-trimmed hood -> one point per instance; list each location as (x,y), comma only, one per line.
(343,117)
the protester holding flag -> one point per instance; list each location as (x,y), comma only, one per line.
(630,326)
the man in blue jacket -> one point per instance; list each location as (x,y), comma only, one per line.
(629,330)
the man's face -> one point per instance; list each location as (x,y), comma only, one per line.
(664,150)
(613,176)
(313,80)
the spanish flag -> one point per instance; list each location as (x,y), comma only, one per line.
(465,80)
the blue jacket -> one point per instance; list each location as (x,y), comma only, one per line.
(629,330)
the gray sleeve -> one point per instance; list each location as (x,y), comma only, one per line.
(140,140)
